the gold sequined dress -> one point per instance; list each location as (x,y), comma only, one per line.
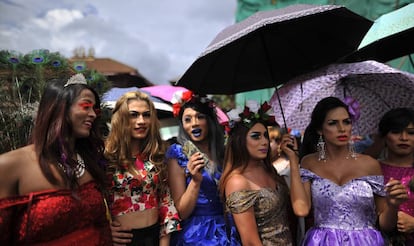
(270,209)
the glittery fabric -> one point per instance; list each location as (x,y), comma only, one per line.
(55,217)
(270,210)
(139,192)
(207,224)
(403,174)
(344,215)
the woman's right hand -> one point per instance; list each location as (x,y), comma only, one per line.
(120,235)
(290,147)
(195,165)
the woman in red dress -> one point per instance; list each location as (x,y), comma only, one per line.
(50,190)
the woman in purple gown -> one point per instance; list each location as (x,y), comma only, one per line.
(345,190)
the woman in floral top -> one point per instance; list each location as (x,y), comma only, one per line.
(141,206)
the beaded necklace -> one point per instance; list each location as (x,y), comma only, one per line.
(79,169)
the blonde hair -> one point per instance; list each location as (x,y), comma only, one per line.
(118,142)
(274,133)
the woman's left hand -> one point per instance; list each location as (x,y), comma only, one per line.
(405,222)
(397,193)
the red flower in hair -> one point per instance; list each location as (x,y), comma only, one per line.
(176,109)
(187,95)
(246,112)
(271,120)
(265,107)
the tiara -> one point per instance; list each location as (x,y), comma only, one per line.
(251,113)
(76,79)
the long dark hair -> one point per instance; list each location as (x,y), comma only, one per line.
(311,136)
(52,134)
(237,156)
(215,130)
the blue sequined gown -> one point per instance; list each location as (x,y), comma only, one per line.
(344,215)
(206,225)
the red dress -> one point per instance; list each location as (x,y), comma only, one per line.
(55,217)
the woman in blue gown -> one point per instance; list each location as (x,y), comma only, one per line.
(194,169)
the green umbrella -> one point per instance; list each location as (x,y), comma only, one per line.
(391,36)
(389,24)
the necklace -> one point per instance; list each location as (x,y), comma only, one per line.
(79,169)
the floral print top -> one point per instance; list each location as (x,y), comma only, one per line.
(140,191)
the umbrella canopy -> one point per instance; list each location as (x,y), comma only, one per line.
(376,87)
(166,92)
(271,47)
(164,110)
(391,36)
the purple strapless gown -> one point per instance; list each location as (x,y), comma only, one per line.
(344,215)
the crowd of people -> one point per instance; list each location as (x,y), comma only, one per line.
(252,185)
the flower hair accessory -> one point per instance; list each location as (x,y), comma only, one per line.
(353,107)
(251,113)
(76,79)
(178,99)
(182,97)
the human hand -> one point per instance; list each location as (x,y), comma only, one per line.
(120,234)
(195,164)
(405,223)
(289,146)
(396,192)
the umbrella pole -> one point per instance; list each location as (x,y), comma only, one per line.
(280,106)
(273,78)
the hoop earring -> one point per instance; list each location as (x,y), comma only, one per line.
(351,150)
(320,146)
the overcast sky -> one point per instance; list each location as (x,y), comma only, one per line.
(159,38)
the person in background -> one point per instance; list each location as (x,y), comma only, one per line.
(345,189)
(279,159)
(194,169)
(141,205)
(396,134)
(282,164)
(52,190)
(254,193)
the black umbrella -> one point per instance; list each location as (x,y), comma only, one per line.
(271,47)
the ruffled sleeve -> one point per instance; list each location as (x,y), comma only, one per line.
(175,151)
(169,218)
(377,184)
(240,201)
(307,175)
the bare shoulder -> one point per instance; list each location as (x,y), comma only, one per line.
(13,159)
(12,165)
(236,182)
(370,165)
(309,161)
